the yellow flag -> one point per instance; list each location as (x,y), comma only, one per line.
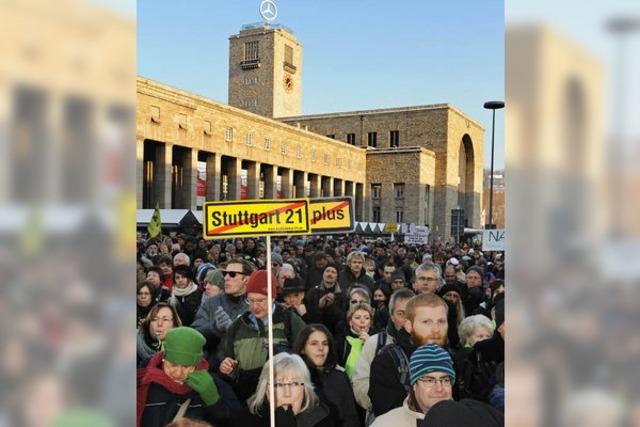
(155,226)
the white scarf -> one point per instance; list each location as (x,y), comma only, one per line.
(181,292)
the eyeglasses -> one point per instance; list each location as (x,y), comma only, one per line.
(294,384)
(231,274)
(255,301)
(431,381)
(355,301)
(162,319)
(428,279)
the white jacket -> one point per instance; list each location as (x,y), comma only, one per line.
(399,417)
(362,371)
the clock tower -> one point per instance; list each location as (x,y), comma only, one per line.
(265,71)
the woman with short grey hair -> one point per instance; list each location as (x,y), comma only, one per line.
(295,399)
(473,329)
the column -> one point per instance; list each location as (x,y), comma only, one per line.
(234,167)
(269,172)
(165,177)
(253,180)
(314,185)
(287,182)
(139,172)
(213,177)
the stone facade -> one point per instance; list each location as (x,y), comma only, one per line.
(176,129)
(454,139)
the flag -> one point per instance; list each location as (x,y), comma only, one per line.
(155,226)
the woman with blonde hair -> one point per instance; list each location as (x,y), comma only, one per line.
(295,399)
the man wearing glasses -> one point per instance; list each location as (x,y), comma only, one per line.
(428,278)
(215,315)
(432,377)
(246,345)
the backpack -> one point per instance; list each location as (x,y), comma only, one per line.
(402,365)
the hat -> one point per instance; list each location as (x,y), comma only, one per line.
(293,285)
(499,312)
(183,270)
(448,288)
(183,346)
(476,269)
(257,283)
(471,251)
(430,358)
(398,275)
(202,271)
(466,258)
(276,257)
(453,261)
(215,277)
(331,265)
(467,413)
(426,257)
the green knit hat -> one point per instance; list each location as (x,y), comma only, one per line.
(183,346)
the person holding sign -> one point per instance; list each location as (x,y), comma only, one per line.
(247,343)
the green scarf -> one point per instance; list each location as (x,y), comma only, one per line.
(354,354)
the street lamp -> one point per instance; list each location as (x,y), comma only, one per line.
(492,105)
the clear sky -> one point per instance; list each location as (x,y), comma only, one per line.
(356,54)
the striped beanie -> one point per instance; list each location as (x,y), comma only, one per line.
(430,358)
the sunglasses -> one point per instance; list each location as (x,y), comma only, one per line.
(232,274)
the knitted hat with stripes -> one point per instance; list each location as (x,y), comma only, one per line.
(430,358)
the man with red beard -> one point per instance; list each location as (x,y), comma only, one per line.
(426,323)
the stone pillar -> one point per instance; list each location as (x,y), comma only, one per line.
(191,178)
(166,165)
(287,182)
(314,185)
(234,168)
(338,187)
(213,177)
(269,172)
(139,172)
(327,186)
(253,180)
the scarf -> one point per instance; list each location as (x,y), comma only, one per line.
(153,373)
(354,354)
(178,292)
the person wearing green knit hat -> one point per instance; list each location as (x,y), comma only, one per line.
(176,382)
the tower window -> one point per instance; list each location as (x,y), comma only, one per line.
(376,191)
(351,138)
(288,59)
(372,139)
(251,51)
(394,138)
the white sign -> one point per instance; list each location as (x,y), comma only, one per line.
(493,240)
(420,235)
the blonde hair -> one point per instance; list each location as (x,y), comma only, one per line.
(355,254)
(359,306)
(284,363)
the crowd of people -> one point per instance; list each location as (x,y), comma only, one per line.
(365,332)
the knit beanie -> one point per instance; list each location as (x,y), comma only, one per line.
(215,277)
(448,288)
(398,275)
(477,269)
(277,258)
(202,271)
(257,283)
(430,358)
(183,346)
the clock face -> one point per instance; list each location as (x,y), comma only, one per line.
(288,82)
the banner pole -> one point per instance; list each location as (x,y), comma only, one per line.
(272,403)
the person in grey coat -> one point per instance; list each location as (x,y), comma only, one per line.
(216,314)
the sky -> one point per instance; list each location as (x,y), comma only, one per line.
(357,55)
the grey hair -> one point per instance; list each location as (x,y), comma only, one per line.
(182,255)
(284,363)
(426,266)
(469,324)
(402,293)
(362,291)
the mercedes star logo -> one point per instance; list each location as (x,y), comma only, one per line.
(268,10)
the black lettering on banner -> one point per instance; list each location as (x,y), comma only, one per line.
(215,216)
(289,214)
(340,214)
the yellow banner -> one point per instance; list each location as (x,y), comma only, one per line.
(255,218)
(331,215)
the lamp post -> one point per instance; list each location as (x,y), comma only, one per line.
(492,105)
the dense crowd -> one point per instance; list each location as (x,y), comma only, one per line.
(365,332)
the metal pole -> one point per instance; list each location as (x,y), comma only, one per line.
(493,129)
(272,403)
